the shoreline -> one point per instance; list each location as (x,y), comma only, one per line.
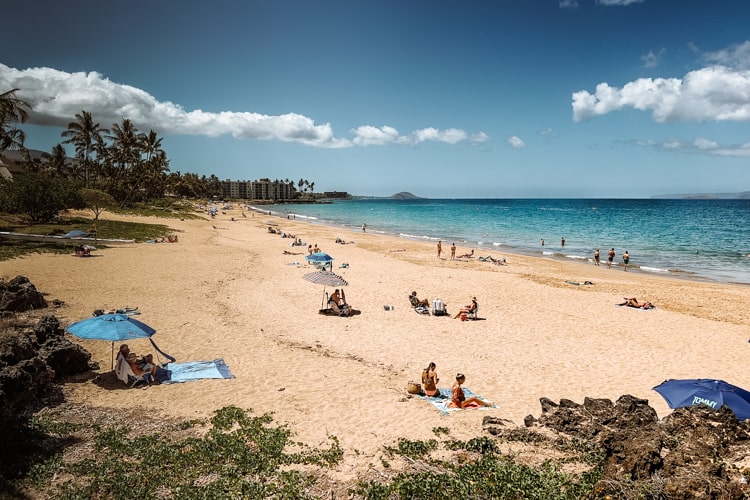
(227,290)
(677,274)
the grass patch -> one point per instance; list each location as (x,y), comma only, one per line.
(108,229)
(235,455)
(477,469)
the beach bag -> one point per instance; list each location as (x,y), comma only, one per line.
(414,388)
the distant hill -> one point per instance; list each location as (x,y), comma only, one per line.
(403,195)
(745,195)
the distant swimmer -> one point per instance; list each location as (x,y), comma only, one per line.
(542,241)
(562,242)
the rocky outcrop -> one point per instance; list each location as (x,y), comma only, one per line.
(31,360)
(19,294)
(689,453)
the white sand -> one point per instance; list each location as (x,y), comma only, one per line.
(231,293)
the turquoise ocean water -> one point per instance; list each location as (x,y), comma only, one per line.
(698,239)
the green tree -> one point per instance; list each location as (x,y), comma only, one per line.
(38,195)
(12,112)
(96,201)
(84,135)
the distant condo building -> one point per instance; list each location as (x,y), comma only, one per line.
(263,189)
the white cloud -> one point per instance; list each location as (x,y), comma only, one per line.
(651,59)
(735,56)
(568,4)
(716,93)
(700,145)
(516,142)
(56,96)
(617,2)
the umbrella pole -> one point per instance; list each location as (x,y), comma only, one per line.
(113,355)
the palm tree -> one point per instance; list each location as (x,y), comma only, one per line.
(84,135)
(125,151)
(12,110)
(58,162)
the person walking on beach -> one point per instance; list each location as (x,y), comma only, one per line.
(440,248)
(610,257)
(364,227)
(626,259)
(596,257)
(453,251)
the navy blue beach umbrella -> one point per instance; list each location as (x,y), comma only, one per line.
(679,393)
(112,327)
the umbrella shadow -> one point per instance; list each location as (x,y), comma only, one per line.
(109,381)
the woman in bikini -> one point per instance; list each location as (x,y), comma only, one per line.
(458,399)
(430,380)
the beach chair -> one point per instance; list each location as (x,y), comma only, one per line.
(438,308)
(124,372)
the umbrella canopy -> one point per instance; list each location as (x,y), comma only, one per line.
(319,258)
(709,392)
(111,327)
(325,278)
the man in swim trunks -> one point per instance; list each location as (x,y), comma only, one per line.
(626,259)
(610,257)
(596,257)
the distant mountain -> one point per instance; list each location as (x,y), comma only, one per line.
(403,195)
(745,195)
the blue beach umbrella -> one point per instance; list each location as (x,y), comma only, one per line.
(112,327)
(319,258)
(705,391)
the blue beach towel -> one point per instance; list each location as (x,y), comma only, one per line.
(440,401)
(174,373)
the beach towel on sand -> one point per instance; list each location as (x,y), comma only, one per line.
(440,401)
(174,373)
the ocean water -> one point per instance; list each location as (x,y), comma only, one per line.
(699,239)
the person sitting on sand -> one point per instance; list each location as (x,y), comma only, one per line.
(138,366)
(633,302)
(458,399)
(468,308)
(334,301)
(467,255)
(415,302)
(430,380)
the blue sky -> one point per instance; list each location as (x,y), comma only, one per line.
(445,99)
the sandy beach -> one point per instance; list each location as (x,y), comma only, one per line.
(227,290)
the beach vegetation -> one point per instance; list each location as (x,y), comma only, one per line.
(113,229)
(235,454)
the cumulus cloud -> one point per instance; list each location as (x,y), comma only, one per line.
(516,142)
(568,4)
(56,96)
(715,93)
